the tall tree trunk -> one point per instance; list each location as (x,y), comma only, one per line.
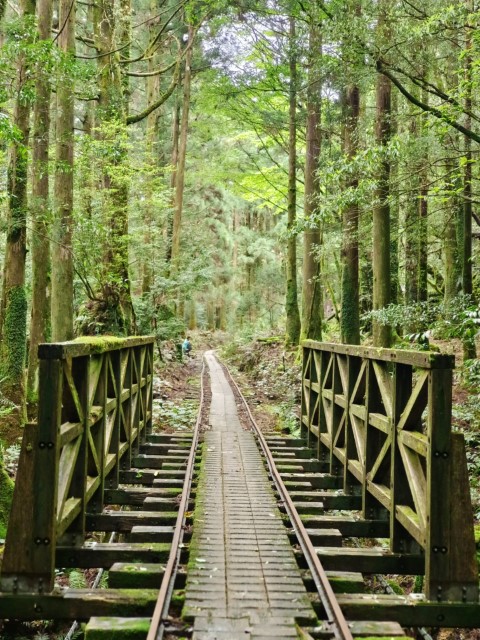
(175,140)
(40,245)
(312,315)
(115,311)
(411,228)
(182,156)
(469,348)
(62,256)
(381,211)
(153,158)
(452,258)
(350,319)
(423,215)
(14,311)
(291,302)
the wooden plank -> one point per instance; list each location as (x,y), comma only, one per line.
(349,526)
(411,522)
(381,492)
(89,346)
(414,440)
(45,479)
(400,493)
(380,422)
(78,604)
(411,414)
(463,572)
(125,520)
(415,476)
(16,561)
(368,560)
(106,628)
(384,382)
(439,498)
(68,432)
(124,575)
(409,611)
(136,496)
(103,555)
(426,360)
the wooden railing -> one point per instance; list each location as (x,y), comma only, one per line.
(94,411)
(382,419)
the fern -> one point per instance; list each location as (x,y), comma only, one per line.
(77,579)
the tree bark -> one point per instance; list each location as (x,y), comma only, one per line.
(182,156)
(14,309)
(312,315)
(40,245)
(451,249)
(381,212)
(114,312)
(62,254)
(350,319)
(291,302)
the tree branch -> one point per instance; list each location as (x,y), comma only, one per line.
(425,107)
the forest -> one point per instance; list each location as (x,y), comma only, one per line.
(301,168)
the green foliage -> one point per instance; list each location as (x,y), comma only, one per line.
(178,416)
(287,418)
(77,579)
(460,318)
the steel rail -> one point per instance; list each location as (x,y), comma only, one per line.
(338,624)
(157,626)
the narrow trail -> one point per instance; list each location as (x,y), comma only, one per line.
(244,581)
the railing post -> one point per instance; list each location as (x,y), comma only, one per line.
(443,538)
(400,541)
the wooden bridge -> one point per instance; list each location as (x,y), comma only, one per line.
(379,422)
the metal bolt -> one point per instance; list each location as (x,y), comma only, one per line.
(435,549)
(444,549)
(445,454)
(46,541)
(437,454)
(38,541)
(50,445)
(41,445)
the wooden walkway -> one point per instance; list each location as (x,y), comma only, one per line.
(244,582)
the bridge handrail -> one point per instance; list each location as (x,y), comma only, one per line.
(94,411)
(381,418)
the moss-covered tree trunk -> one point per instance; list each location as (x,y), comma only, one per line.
(62,256)
(291,301)
(350,318)
(114,311)
(423,214)
(469,349)
(381,210)
(40,245)
(312,298)
(182,156)
(14,311)
(452,265)
(155,160)
(411,228)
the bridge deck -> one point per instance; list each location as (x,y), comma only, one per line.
(244,581)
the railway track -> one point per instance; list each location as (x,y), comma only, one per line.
(152,510)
